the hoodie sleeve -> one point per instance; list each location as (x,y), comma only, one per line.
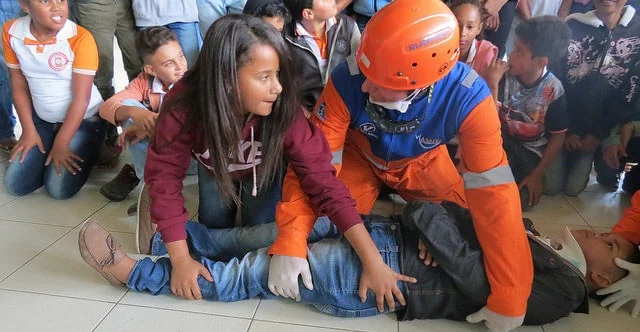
(310,182)
(168,158)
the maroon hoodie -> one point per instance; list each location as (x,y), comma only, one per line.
(170,152)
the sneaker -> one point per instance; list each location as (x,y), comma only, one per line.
(108,157)
(145,229)
(132,210)
(100,249)
(7,144)
(119,188)
(609,183)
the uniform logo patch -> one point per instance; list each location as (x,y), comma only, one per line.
(58,61)
(428,143)
(322,110)
(368,129)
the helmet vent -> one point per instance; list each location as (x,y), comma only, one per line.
(433,55)
(415,64)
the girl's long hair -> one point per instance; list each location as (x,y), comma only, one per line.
(213,97)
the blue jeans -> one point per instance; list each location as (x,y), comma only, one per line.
(188,37)
(24,178)
(226,243)
(215,213)
(7,119)
(211,10)
(335,269)
(568,173)
(139,150)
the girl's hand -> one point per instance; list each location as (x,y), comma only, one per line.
(384,282)
(28,140)
(494,72)
(61,155)
(184,278)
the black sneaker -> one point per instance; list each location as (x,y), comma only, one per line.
(119,188)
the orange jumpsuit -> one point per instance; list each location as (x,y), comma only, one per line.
(414,161)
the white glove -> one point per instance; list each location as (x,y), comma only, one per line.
(495,322)
(283,276)
(624,290)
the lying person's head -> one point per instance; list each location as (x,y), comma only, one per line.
(600,251)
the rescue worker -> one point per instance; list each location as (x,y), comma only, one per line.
(387,114)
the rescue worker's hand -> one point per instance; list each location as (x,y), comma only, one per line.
(495,322)
(572,143)
(184,278)
(624,290)
(283,276)
(589,144)
(383,281)
(424,254)
(534,184)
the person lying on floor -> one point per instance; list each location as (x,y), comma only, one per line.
(566,269)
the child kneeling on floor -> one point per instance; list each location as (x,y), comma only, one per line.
(52,62)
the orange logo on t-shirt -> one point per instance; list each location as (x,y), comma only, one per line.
(58,61)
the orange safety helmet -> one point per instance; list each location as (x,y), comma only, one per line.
(409,44)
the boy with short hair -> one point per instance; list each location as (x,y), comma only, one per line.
(533,106)
(273,12)
(320,39)
(566,268)
(136,107)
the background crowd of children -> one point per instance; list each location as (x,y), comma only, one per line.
(564,75)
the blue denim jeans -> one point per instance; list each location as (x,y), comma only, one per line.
(226,243)
(568,173)
(215,213)
(211,10)
(7,119)
(188,37)
(335,269)
(24,178)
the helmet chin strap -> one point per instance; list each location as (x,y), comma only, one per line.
(380,117)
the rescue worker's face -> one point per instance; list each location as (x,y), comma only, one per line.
(381,94)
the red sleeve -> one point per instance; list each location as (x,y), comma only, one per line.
(629,224)
(168,158)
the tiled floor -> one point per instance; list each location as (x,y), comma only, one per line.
(44,284)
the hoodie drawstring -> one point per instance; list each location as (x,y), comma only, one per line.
(254,191)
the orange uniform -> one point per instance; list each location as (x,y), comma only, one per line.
(629,224)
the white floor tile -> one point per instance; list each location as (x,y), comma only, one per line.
(443,325)
(260,326)
(554,210)
(598,319)
(600,209)
(242,309)
(135,319)
(36,312)
(60,270)
(5,197)
(39,207)
(19,242)
(114,216)
(296,313)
